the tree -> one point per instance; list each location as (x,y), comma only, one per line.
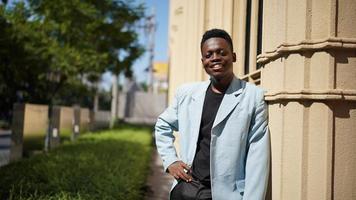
(49,44)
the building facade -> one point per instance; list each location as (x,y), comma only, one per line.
(303,53)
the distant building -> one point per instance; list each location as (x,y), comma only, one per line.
(304,54)
(160,77)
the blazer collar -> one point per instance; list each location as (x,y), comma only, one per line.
(235,88)
(199,94)
(231,98)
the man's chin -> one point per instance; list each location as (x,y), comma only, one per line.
(218,77)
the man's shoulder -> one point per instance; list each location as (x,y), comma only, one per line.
(253,90)
(190,88)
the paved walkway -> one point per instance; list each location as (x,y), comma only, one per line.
(158,182)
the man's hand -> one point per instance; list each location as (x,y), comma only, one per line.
(179,170)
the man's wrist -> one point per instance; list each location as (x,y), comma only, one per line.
(169,162)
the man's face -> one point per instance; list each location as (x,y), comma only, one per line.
(217,58)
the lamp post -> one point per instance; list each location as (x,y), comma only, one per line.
(54,77)
(150,29)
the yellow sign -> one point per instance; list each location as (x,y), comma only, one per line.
(160,68)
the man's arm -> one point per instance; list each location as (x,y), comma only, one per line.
(258,155)
(166,123)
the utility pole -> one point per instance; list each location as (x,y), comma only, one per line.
(150,29)
(114,99)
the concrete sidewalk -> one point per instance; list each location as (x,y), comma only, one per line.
(159,183)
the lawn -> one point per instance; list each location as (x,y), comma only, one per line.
(66,135)
(104,165)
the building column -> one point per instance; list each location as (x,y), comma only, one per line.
(309,57)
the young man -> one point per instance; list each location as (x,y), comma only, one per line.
(223,131)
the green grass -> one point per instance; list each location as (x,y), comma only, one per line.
(66,135)
(106,165)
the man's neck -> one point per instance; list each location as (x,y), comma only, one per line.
(220,86)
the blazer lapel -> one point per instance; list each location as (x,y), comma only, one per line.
(196,109)
(231,99)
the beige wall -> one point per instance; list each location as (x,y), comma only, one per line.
(310,79)
(34,126)
(184,38)
(66,118)
(35,120)
(84,119)
(189,20)
(30,122)
(309,73)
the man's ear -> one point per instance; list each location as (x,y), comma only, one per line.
(201,60)
(234,57)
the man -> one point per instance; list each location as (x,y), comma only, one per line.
(223,131)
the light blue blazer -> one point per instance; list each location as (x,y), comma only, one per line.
(240,144)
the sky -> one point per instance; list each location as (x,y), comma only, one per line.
(161,8)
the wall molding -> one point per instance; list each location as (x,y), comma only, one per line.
(254,77)
(335,94)
(306,46)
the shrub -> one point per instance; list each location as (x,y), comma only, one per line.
(105,165)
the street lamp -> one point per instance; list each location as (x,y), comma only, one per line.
(54,78)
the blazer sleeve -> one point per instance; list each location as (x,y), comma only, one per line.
(166,123)
(258,153)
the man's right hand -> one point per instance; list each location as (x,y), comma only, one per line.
(180,170)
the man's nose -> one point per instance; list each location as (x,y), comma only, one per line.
(216,56)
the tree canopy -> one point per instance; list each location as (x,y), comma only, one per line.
(51,45)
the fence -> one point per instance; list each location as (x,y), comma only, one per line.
(30,123)
(34,119)
(30,127)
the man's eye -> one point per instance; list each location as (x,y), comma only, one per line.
(207,55)
(222,52)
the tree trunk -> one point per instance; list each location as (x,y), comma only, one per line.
(114,100)
(96,98)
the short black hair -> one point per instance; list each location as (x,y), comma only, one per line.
(219,33)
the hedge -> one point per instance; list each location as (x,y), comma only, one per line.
(105,165)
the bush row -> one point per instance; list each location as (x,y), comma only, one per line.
(104,165)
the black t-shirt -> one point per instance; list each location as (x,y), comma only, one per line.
(201,163)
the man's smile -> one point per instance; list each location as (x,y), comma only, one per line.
(216,66)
